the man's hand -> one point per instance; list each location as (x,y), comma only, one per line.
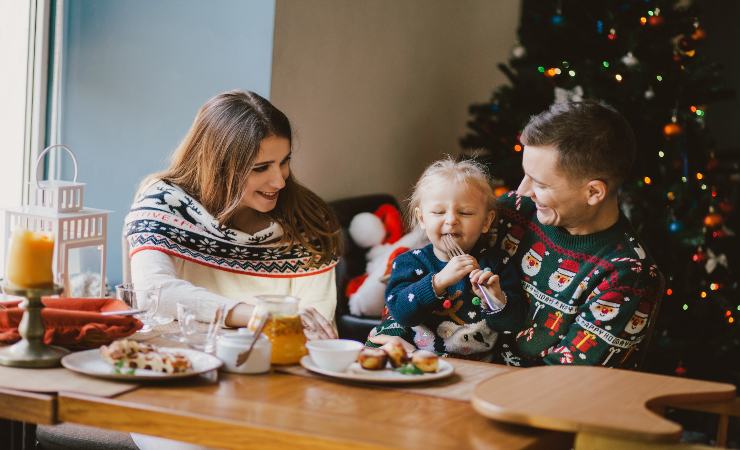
(315,326)
(454,271)
(489,280)
(381,339)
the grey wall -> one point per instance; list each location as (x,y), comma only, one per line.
(376,90)
(135,73)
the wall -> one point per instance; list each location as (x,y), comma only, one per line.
(376,90)
(135,73)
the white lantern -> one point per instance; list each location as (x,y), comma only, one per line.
(56,207)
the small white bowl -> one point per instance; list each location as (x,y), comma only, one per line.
(334,354)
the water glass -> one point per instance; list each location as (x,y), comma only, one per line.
(145,300)
(197,334)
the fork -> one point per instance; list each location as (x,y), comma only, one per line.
(453,250)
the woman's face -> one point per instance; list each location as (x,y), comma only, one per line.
(271,169)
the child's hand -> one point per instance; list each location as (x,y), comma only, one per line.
(454,271)
(491,281)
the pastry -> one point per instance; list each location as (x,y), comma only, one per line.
(128,354)
(372,358)
(425,361)
(396,354)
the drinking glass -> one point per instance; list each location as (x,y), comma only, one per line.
(200,335)
(145,300)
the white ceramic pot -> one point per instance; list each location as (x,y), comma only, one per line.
(229,347)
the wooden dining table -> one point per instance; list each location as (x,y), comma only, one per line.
(293,408)
(282,410)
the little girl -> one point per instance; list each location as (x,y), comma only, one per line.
(434,301)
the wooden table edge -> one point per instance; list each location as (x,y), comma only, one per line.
(25,406)
(568,426)
(106,409)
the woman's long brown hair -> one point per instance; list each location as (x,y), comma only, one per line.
(217,155)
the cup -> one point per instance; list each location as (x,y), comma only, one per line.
(335,355)
(146,300)
(229,347)
(194,330)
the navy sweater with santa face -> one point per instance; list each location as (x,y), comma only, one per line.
(590,296)
(457,323)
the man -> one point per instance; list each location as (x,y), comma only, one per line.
(590,284)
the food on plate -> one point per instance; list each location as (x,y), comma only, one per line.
(372,358)
(129,354)
(425,361)
(396,354)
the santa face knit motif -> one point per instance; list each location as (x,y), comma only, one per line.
(455,324)
(590,297)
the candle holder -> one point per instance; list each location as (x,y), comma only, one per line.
(31,351)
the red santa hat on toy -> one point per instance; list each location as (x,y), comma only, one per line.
(384,226)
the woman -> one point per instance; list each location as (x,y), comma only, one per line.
(227,220)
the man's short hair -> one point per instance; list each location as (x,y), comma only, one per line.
(593,140)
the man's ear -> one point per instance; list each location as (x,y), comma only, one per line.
(597,191)
(419,217)
(489,221)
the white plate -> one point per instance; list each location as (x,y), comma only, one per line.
(89,362)
(357,373)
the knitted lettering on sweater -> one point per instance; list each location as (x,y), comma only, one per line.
(455,323)
(590,296)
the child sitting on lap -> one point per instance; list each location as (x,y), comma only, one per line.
(434,301)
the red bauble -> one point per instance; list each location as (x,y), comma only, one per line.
(656,21)
(699,34)
(726,206)
(713,220)
(672,129)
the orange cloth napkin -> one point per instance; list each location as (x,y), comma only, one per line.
(75,323)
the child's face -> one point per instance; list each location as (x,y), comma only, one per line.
(456,209)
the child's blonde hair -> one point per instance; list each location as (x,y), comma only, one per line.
(466,171)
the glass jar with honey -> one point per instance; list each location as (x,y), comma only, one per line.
(283,328)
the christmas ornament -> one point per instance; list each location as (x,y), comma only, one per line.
(699,34)
(726,206)
(699,256)
(713,220)
(519,52)
(715,260)
(568,95)
(650,93)
(500,190)
(629,60)
(557,19)
(675,226)
(655,21)
(672,129)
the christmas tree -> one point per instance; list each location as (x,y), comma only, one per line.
(645,58)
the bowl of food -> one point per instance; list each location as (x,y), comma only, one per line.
(335,355)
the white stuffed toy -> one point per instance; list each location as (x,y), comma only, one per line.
(376,231)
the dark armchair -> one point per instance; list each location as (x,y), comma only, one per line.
(353,263)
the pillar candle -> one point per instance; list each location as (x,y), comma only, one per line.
(29,263)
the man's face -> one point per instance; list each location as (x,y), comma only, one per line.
(561,200)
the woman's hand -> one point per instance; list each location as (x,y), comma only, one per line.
(315,326)
(490,281)
(381,339)
(454,271)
